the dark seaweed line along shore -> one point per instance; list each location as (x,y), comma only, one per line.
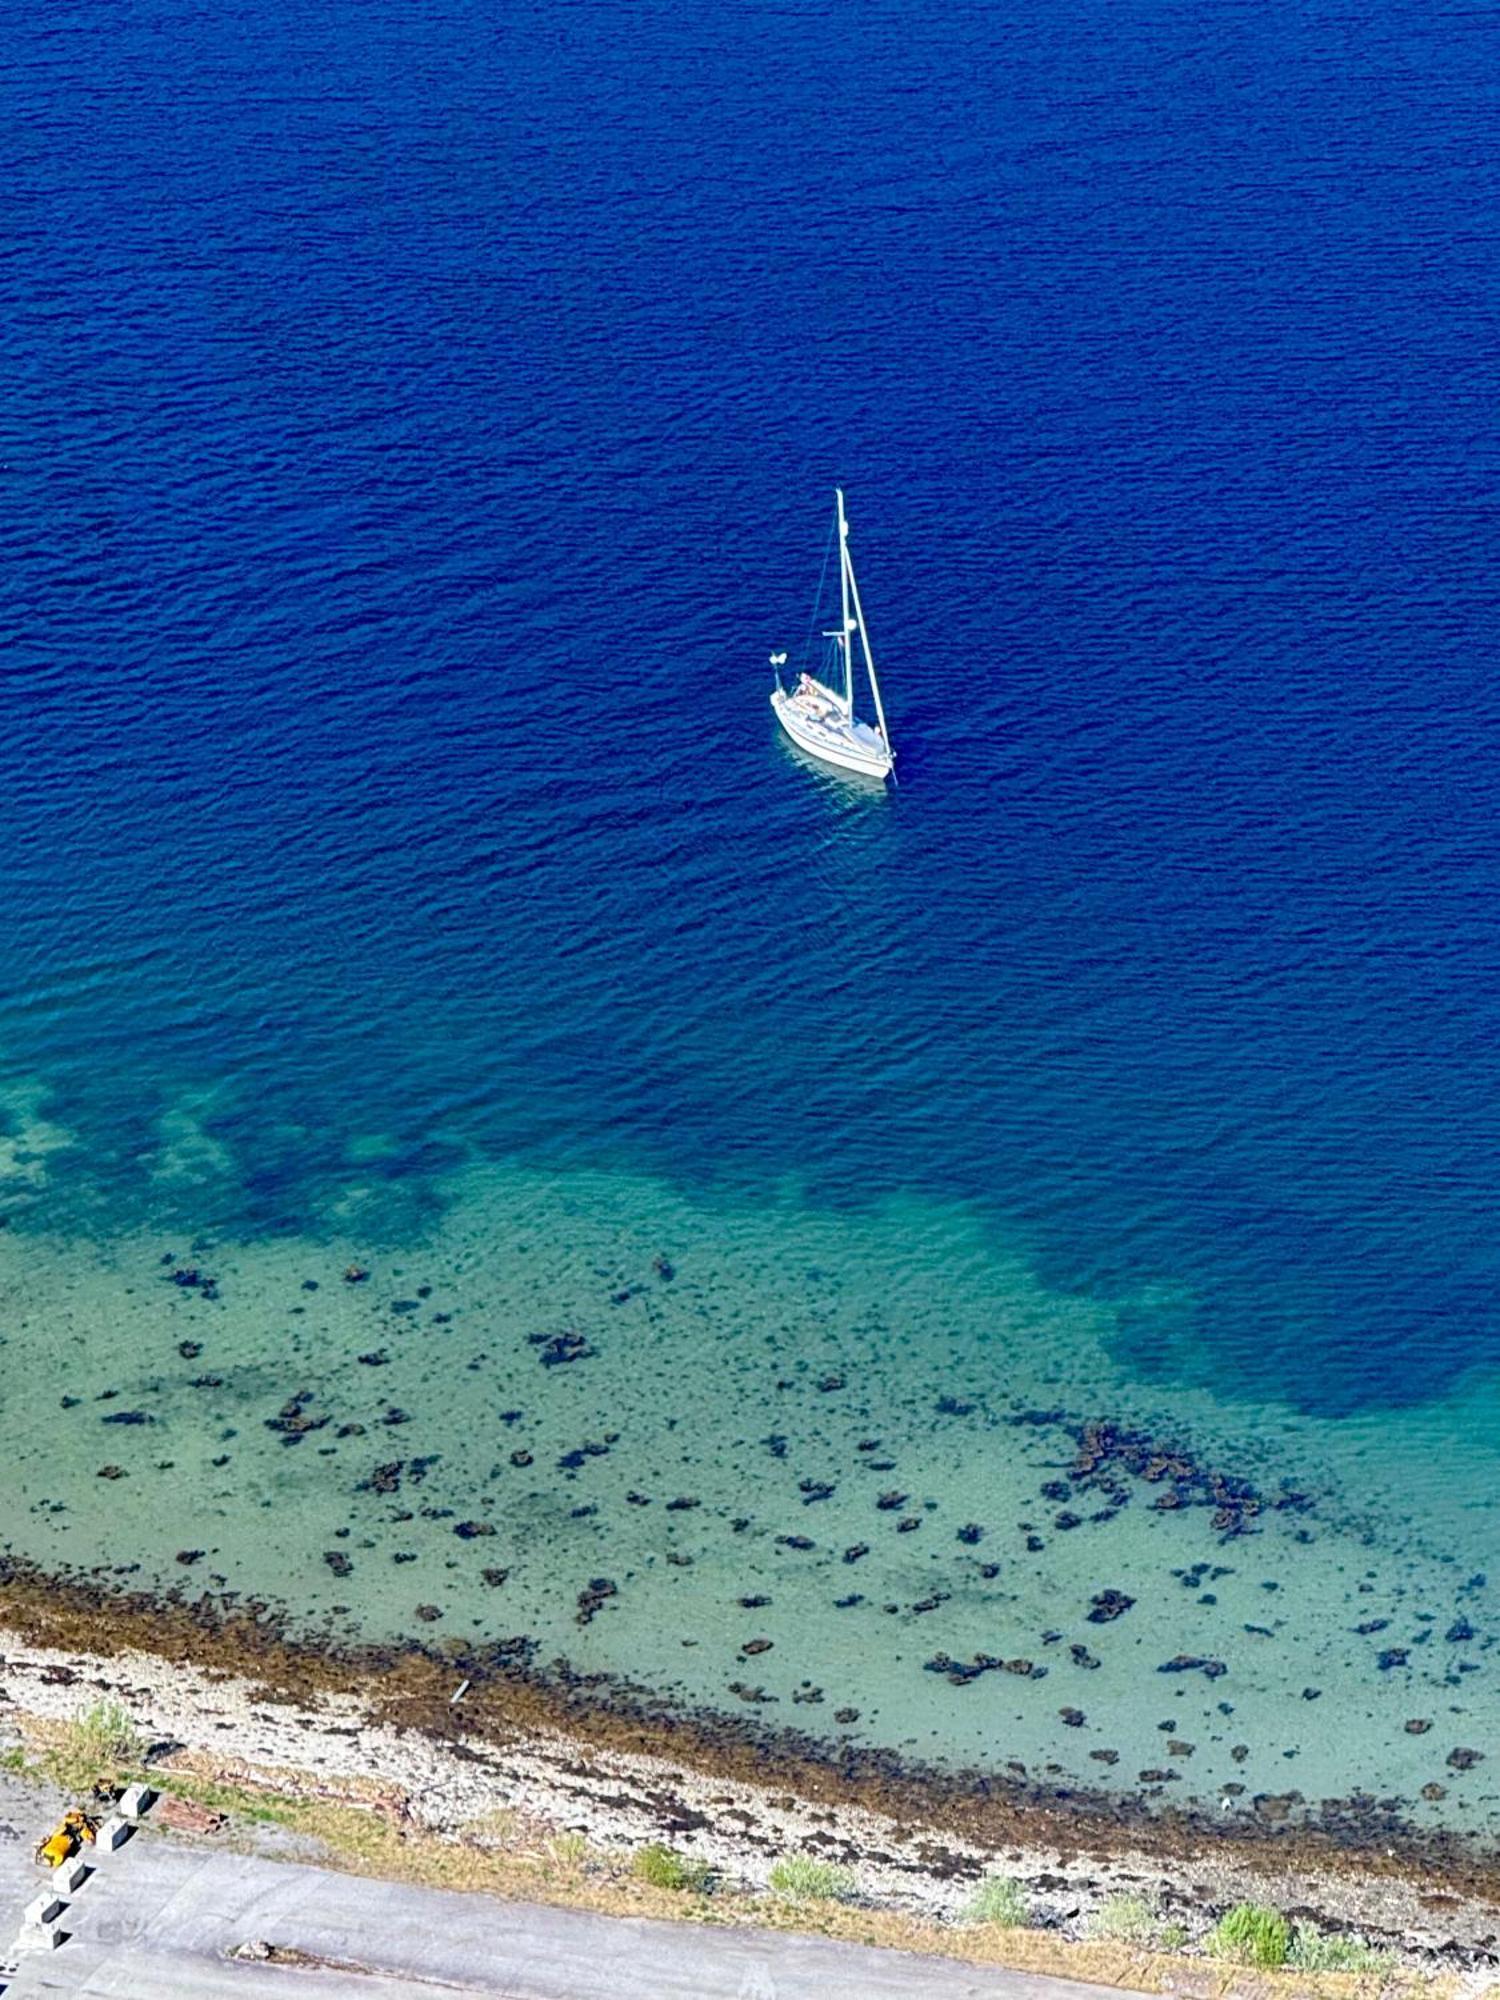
(411,1686)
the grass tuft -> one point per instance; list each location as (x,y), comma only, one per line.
(663,1868)
(999,1901)
(102,1744)
(1127,1919)
(801,1878)
(565,1852)
(1325,1951)
(1251,1934)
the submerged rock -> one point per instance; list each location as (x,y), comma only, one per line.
(1101,1444)
(961,1672)
(573,1461)
(292,1420)
(1276,1807)
(557,1349)
(593,1596)
(1107,1605)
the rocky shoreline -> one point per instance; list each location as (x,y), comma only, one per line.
(228,1692)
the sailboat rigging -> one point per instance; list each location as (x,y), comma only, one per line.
(818,714)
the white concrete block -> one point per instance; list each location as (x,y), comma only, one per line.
(42,1909)
(71,1875)
(40,1937)
(114,1833)
(135,1800)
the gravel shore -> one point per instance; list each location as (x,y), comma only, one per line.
(217,1724)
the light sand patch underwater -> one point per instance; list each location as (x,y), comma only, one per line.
(857,1477)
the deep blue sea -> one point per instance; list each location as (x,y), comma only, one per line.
(420,424)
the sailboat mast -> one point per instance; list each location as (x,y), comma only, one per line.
(845,575)
(864,641)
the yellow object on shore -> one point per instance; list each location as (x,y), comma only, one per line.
(71,1834)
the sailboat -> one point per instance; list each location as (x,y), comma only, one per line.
(819,715)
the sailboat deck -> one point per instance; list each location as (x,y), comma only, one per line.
(824,729)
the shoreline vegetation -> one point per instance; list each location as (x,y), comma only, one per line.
(560,1791)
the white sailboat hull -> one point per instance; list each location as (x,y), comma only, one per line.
(826,732)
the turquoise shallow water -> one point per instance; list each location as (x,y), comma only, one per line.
(422,426)
(650,1434)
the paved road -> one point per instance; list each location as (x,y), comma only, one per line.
(157,1920)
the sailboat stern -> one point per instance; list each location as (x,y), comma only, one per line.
(821,728)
